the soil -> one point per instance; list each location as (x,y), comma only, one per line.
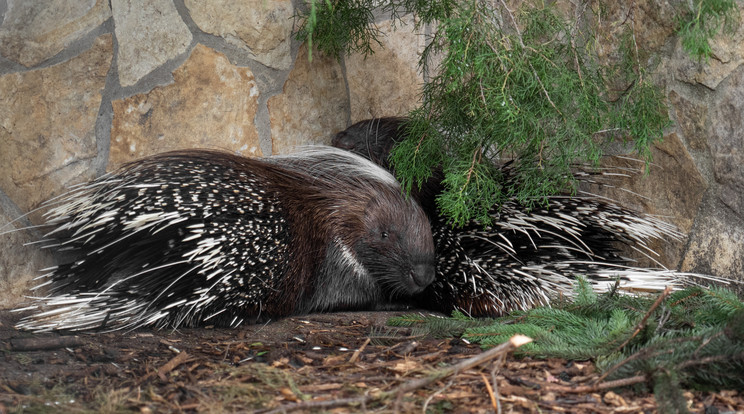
(340,362)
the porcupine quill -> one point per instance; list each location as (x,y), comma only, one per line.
(201,237)
(525,257)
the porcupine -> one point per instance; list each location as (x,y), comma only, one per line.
(524,257)
(204,237)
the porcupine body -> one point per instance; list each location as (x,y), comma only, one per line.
(525,256)
(204,237)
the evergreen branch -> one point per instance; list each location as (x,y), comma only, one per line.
(521,43)
(636,55)
(643,321)
(476,160)
(339,26)
(709,18)
(643,353)
(507,82)
(589,327)
(707,341)
(574,34)
(697,341)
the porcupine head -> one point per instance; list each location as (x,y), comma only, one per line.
(377,244)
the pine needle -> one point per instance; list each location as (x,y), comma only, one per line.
(693,338)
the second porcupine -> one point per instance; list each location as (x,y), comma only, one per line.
(204,237)
(525,257)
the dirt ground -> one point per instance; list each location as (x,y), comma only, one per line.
(339,363)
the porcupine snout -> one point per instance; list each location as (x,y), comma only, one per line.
(419,242)
(422,274)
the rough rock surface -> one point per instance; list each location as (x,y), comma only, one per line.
(691,118)
(652,22)
(211,104)
(35,30)
(717,245)
(672,190)
(19,264)
(726,141)
(47,120)
(262,28)
(388,82)
(313,105)
(149,33)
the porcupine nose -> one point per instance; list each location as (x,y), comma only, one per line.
(422,274)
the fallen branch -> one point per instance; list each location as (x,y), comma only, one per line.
(623,382)
(44,343)
(513,343)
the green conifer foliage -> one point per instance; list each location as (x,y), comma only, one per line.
(692,338)
(517,81)
(704,20)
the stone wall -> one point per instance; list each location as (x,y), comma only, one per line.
(88,85)
(696,180)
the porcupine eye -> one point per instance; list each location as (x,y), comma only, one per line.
(394,247)
(389,237)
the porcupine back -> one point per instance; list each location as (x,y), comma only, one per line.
(204,237)
(524,257)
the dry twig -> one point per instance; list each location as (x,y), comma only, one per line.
(44,343)
(513,343)
(642,323)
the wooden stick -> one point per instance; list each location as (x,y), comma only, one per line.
(598,387)
(40,343)
(172,364)
(513,343)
